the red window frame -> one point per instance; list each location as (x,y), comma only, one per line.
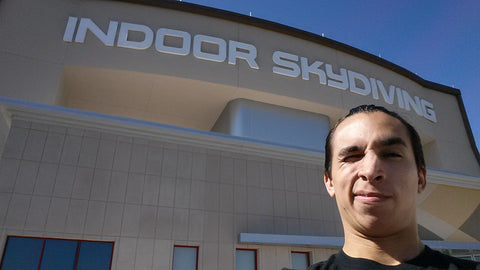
(186,246)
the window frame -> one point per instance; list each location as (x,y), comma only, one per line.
(302,252)
(248,249)
(44,240)
(197,248)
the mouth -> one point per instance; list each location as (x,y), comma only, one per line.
(369,197)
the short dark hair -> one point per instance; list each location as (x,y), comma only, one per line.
(412,133)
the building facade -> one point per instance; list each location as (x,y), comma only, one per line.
(166,135)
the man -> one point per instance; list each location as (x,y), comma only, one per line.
(374,168)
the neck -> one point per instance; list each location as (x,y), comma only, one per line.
(389,250)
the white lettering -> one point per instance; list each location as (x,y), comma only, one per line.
(400,98)
(313,68)
(414,102)
(215,49)
(339,81)
(373,84)
(353,78)
(428,111)
(125,29)
(160,41)
(388,97)
(87,24)
(221,54)
(249,55)
(286,61)
(70,29)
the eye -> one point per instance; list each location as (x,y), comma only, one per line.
(352,158)
(391,154)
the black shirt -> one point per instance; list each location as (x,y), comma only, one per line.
(427,259)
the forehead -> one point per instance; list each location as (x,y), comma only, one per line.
(369,127)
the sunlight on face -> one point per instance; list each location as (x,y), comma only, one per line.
(374,176)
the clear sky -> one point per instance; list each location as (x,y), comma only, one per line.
(439,40)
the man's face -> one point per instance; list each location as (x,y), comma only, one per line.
(374,177)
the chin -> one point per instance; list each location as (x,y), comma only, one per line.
(377,226)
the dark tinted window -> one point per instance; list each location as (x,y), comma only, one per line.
(37,253)
(59,254)
(22,253)
(94,256)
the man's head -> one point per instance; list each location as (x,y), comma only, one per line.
(412,133)
(374,169)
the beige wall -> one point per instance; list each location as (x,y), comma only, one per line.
(72,181)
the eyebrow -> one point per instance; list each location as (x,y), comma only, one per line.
(393,141)
(387,142)
(347,150)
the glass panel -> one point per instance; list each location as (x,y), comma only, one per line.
(22,253)
(299,260)
(460,252)
(94,255)
(245,259)
(184,258)
(59,254)
(465,257)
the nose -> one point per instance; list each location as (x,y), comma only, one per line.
(371,168)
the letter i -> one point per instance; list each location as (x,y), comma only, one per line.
(373,82)
(400,98)
(70,30)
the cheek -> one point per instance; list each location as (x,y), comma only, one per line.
(407,183)
(343,184)
(348,176)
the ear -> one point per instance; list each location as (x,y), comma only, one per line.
(329,185)
(422,180)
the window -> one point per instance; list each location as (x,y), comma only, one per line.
(465,254)
(245,259)
(300,260)
(185,258)
(47,253)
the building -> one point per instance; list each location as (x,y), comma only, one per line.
(144,134)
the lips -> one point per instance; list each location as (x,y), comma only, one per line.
(369,197)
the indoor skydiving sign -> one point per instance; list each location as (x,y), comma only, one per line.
(177,42)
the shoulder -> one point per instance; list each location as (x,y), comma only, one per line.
(437,260)
(343,261)
(428,259)
(328,264)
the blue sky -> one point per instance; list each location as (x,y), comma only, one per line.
(439,40)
